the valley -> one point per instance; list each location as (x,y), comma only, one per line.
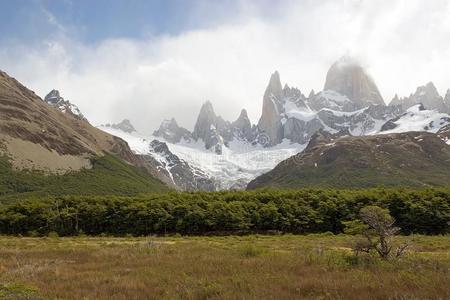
(231,149)
(254,267)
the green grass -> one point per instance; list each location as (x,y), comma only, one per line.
(14,291)
(109,175)
(320,266)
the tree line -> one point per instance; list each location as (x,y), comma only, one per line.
(297,211)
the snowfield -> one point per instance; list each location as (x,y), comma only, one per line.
(234,168)
(420,120)
(241,162)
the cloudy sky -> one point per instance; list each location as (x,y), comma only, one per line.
(151,60)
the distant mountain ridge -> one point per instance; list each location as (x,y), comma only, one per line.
(221,154)
(350,103)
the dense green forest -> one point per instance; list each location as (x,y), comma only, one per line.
(297,211)
(109,175)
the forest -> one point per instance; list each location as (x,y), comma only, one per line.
(229,212)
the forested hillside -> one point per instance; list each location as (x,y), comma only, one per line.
(108,175)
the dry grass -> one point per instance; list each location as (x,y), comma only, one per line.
(250,267)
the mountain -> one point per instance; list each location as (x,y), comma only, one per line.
(171,132)
(418,159)
(54,99)
(426,95)
(242,127)
(172,170)
(183,175)
(270,121)
(350,103)
(125,125)
(348,78)
(417,118)
(40,137)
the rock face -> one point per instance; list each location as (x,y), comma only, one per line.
(54,99)
(171,132)
(349,79)
(182,175)
(349,106)
(270,121)
(125,126)
(426,95)
(444,133)
(242,127)
(419,159)
(350,103)
(447,99)
(290,115)
(209,127)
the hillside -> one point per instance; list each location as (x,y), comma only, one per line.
(44,149)
(415,159)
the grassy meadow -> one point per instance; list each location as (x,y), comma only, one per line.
(316,266)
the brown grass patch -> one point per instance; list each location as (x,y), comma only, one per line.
(249,267)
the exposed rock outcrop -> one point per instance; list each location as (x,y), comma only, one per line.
(124,126)
(426,95)
(54,99)
(171,132)
(242,127)
(349,79)
(184,176)
(270,121)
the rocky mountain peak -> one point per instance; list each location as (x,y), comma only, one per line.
(243,117)
(243,126)
(53,97)
(56,100)
(125,126)
(274,87)
(428,96)
(171,132)
(270,121)
(395,98)
(447,100)
(428,90)
(205,120)
(347,77)
(208,126)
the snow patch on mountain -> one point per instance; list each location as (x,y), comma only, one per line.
(238,164)
(54,99)
(417,118)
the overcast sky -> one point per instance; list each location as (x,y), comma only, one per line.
(152,60)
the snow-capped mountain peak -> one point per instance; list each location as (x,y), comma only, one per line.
(54,99)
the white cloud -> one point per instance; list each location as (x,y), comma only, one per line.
(402,43)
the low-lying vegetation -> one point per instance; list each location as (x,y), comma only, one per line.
(109,175)
(300,211)
(317,266)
